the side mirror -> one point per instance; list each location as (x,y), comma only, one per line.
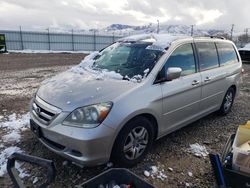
(173,73)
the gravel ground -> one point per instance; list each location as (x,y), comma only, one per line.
(170,154)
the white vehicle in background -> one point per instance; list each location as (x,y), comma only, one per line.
(245,52)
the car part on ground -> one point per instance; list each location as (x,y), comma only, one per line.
(111,178)
(34,161)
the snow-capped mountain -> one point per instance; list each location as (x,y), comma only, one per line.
(124,30)
(171,29)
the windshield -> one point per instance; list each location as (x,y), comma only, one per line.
(128,59)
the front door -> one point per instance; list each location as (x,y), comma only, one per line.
(181,97)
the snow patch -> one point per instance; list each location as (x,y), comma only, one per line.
(35,180)
(198,150)
(14,126)
(155,172)
(4,157)
(13,136)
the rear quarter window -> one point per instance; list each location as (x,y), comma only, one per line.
(207,54)
(227,54)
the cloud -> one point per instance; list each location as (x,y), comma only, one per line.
(87,14)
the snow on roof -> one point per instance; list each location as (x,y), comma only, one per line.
(161,40)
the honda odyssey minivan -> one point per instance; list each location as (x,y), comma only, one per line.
(116,102)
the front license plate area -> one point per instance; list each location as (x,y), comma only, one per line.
(35,129)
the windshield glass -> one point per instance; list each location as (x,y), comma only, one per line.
(128,59)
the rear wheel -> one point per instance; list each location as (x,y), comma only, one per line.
(133,142)
(227,101)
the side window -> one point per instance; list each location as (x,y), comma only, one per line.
(227,53)
(208,57)
(182,57)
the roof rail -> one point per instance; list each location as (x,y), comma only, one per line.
(210,36)
(218,37)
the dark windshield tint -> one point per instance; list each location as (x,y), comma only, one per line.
(128,59)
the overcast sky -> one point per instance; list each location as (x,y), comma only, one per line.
(86,14)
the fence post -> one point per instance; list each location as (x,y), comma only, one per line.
(94,40)
(49,38)
(73,46)
(21,37)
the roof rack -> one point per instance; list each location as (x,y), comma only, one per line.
(218,37)
(210,36)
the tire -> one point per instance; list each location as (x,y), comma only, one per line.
(133,142)
(227,102)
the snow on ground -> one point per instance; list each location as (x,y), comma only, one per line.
(198,150)
(12,128)
(28,51)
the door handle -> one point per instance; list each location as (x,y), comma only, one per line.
(207,79)
(195,82)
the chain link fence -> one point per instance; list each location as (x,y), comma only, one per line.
(55,41)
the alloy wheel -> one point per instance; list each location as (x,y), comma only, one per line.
(136,143)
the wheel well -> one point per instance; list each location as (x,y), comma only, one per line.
(150,117)
(234,87)
(153,120)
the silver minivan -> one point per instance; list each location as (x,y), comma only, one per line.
(116,102)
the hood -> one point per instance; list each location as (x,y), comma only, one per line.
(70,90)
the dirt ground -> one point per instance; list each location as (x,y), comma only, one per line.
(20,77)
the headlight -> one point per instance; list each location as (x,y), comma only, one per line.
(88,116)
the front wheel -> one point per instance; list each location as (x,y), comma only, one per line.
(133,142)
(227,101)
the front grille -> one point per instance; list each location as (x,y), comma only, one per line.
(44,112)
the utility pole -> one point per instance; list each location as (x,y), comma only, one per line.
(192,30)
(246,30)
(158,26)
(232,30)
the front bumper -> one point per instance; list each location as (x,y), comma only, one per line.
(87,147)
